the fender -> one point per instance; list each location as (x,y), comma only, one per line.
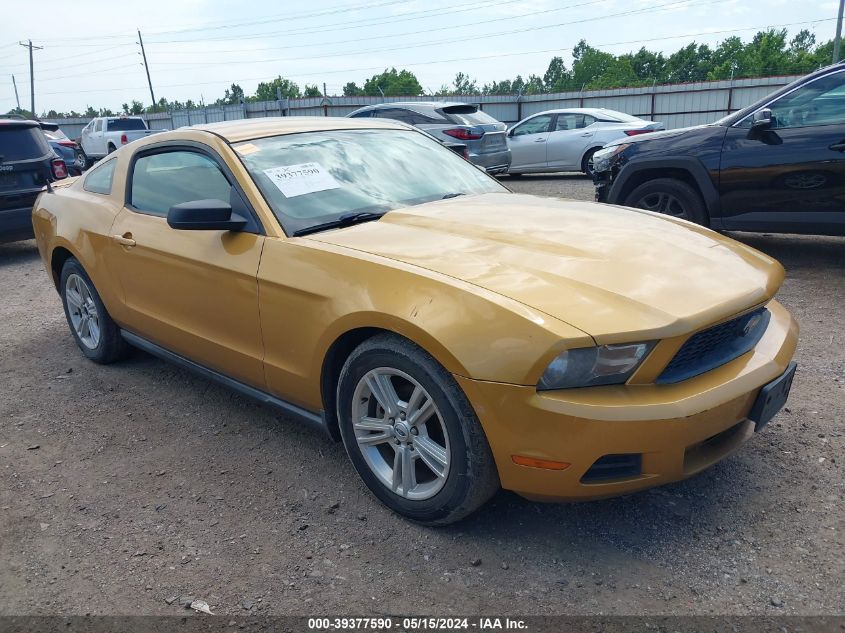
(691,165)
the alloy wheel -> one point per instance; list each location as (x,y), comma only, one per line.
(401,433)
(662,202)
(84,316)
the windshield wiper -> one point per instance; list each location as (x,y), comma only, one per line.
(347,219)
(453,195)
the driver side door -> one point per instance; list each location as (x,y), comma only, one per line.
(192,292)
(527,141)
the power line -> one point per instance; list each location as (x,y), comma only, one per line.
(463,58)
(432,30)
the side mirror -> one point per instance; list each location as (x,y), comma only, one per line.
(204,215)
(761,120)
(510,132)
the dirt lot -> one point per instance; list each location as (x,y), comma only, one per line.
(124,489)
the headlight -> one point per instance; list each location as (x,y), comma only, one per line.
(602,158)
(591,366)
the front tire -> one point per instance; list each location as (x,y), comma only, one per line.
(96,334)
(411,433)
(669,196)
(587,162)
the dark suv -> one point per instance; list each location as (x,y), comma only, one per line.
(27,163)
(777,165)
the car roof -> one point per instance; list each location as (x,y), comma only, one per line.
(18,123)
(244,129)
(593,111)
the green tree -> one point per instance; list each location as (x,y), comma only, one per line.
(312,91)
(691,63)
(352,89)
(393,83)
(556,78)
(234,94)
(268,90)
(463,85)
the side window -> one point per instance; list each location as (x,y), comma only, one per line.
(98,126)
(587,120)
(361,115)
(397,114)
(821,102)
(534,126)
(162,180)
(566,122)
(99,179)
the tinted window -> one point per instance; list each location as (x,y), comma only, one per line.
(22,143)
(316,177)
(99,179)
(122,125)
(533,126)
(821,102)
(160,181)
(361,115)
(397,114)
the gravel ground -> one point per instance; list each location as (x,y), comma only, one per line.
(127,489)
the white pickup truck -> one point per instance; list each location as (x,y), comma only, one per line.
(105,134)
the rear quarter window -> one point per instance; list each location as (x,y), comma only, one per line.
(22,143)
(99,179)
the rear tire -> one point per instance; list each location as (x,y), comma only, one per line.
(398,406)
(669,196)
(112,148)
(96,334)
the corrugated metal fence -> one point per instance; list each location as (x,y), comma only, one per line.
(676,105)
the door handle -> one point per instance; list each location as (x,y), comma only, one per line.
(124,240)
(838,147)
(540,140)
(587,134)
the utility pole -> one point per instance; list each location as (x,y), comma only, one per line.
(147,68)
(31,74)
(17,98)
(837,40)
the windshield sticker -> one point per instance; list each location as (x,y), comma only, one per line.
(246,149)
(298,180)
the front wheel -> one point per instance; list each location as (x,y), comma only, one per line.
(670,197)
(411,433)
(587,162)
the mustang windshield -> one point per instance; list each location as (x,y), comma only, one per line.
(316,177)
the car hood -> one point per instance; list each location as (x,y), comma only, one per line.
(659,134)
(617,274)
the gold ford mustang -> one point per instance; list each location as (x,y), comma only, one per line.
(457,337)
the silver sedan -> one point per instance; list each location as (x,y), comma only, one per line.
(565,140)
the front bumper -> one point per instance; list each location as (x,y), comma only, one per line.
(678,430)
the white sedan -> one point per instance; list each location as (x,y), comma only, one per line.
(565,140)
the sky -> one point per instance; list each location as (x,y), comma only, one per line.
(197,48)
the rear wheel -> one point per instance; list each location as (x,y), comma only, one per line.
(96,334)
(670,197)
(111,148)
(411,433)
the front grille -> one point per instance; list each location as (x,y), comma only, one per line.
(716,346)
(619,466)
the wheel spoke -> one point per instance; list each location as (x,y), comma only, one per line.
(73,298)
(372,431)
(94,330)
(422,413)
(382,389)
(432,454)
(409,479)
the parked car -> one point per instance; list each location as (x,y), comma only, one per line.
(566,139)
(27,164)
(361,277)
(449,122)
(103,135)
(66,149)
(776,166)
